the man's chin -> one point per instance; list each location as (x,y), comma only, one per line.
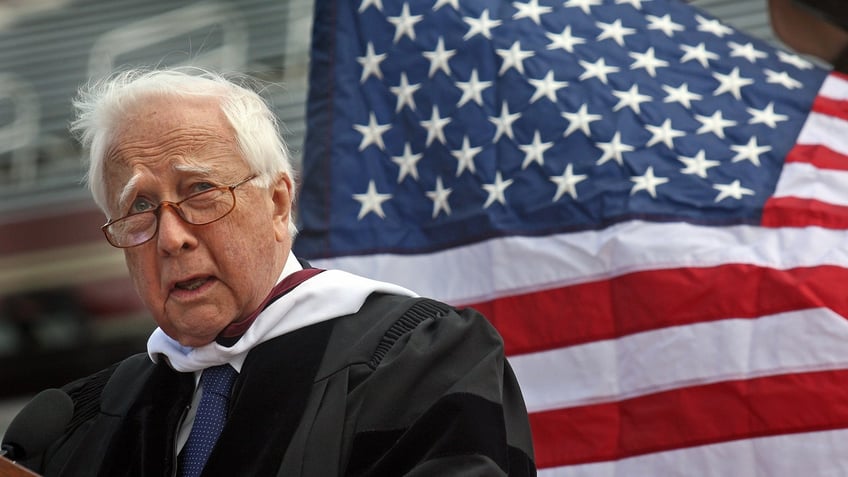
(192,336)
(193,341)
(193,326)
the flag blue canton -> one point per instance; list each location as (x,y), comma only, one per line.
(451,122)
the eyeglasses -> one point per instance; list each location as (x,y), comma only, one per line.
(202,208)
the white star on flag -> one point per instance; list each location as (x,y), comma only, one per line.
(697,165)
(734,190)
(496,190)
(647,60)
(513,58)
(370,63)
(781,78)
(546,87)
(698,53)
(681,95)
(439,196)
(435,127)
(465,157)
(714,124)
(564,40)
(405,23)
(746,51)
(663,133)
(615,30)
(584,5)
(530,10)
(472,89)
(614,149)
(480,26)
(598,69)
(567,182)
(663,24)
(371,201)
(580,120)
(503,123)
(535,151)
(630,99)
(713,26)
(750,151)
(372,133)
(408,163)
(404,93)
(731,83)
(647,182)
(766,116)
(439,58)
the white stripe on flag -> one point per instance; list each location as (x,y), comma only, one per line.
(468,274)
(808,182)
(828,131)
(669,358)
(790,455)
(834,87)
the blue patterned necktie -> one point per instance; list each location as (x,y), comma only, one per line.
(209,421)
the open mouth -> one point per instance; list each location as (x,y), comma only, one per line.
(192,284)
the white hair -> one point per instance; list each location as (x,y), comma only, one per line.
(100,105)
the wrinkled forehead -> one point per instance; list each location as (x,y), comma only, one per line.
(162,134)
(163,125)
(153,117)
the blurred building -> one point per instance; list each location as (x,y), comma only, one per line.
(67,307)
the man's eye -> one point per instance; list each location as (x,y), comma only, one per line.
(141,205)
(201,187)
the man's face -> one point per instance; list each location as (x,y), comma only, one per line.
(195,279)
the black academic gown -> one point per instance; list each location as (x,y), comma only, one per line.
(403,387)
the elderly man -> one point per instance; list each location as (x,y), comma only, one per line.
(261,365)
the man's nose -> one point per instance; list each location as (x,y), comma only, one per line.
(175,234)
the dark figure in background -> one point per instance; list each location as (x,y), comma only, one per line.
(323,373)
(45,320)
(813,27)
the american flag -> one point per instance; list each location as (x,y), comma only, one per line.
(650,206)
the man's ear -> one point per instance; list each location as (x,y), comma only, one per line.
(281,195)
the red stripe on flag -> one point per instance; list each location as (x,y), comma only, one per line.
(831,107)
(839,74)
(798,212)
(818,155)
(692,416)
(656,299)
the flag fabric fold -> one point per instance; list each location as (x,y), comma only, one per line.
(649,205)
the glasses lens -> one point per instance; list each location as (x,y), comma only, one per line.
(208,206)
(132,230)
(200,209)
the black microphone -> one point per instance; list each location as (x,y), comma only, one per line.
(39,423)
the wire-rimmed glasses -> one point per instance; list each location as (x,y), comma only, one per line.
(201,208)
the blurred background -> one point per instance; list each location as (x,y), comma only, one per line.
(67,307)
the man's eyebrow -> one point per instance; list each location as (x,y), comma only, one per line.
(130,186)
(128,190)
